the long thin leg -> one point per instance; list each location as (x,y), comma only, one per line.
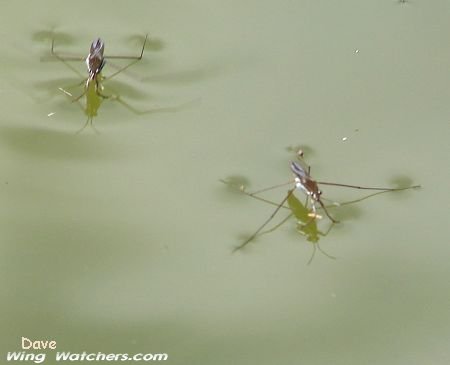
(361,187)
(360,199)
(322,251)
(71,97)
(92,126)
(120,70)
(264,200)
(278,225)
(326,212)
(79,96)
(88,120)
(131,57)
(168,109)
(135,58)
(270,188)
(78,58)
(99,89)
(251,195)
(265,223)
(73,85)
(69,66)
(367,188)
(81,58)
(313,254)
(64,58)
(325,253)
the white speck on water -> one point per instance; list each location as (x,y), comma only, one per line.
(50,114)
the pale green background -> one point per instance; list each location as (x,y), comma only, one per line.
(122,242)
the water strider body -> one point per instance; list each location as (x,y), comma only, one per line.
(95,60)
(304,182)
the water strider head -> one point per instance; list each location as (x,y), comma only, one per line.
(95,60)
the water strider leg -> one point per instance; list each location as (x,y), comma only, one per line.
(271,187)
(134,58)
(139,57)
(168,109)
(322,251)
(64,59)
(70,95)
(265,223)
(367,188)
(89,121)
(79,96)
(320,248)
(326,212)
(274,228)
(252,195)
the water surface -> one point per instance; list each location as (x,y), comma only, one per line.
(121,242)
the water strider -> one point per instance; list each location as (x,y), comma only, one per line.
(304,182)
(93,89)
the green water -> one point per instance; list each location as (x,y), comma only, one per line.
(121,241)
